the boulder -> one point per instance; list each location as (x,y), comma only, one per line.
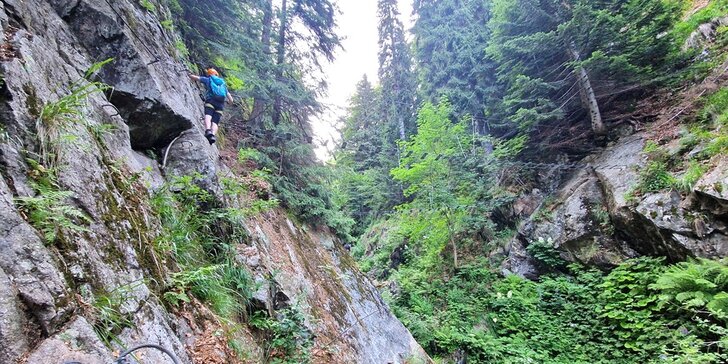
(75,343)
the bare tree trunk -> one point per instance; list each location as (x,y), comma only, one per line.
(402,132)
(267,25)
(258,104)
(588,96)
(452,241)
(281,58)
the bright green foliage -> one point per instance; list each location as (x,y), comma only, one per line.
(202,242)
(148,5)
(57,118)
(167,24)
(655,177)
(715,9)
(422,170)
(51,213)
(544,252)
(699,289)
(107,313)
(430,169)
(691,176)
(696,286)
(50,210)
(585,317)
(446,179)
(714,117)
(631,308)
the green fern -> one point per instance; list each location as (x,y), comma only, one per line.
(697,285)
(56,118)
(49,212)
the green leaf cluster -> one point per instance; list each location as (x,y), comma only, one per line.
(587,316)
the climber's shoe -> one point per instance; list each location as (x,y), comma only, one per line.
(211,139)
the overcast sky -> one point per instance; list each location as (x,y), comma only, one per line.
(358,24)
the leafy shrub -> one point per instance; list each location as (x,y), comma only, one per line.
(108,317)
(248,154)
(544,252)
(167,24)
(712,11)
(655,177)
(691,176)
(629,315)
(148,5)
(698,289)
(50,212)
(697,286)
(287,340)
(56,118)
(630,308)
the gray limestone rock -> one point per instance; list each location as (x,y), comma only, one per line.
(712,189)
(76,342)
(29,265)
(151,325)
(13,325)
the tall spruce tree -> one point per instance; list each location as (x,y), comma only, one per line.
(363,179)
(360,143)
(450,41)
(395,73)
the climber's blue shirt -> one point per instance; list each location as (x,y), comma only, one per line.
(206,81)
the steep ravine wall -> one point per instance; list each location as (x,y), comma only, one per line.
(46,288)
(590,219)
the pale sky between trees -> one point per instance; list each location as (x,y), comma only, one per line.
(358,24)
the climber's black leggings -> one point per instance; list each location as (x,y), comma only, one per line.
(214,109)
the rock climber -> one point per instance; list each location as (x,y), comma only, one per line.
(215,98)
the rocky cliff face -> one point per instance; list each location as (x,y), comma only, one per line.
(593,217)
(107,228)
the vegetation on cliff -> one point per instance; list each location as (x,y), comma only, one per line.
(506,90)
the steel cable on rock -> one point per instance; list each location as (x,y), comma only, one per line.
(539,165)
(123,360)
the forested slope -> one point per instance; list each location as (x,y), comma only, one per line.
(558,193)
(120,225)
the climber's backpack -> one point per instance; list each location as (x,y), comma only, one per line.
(218,90)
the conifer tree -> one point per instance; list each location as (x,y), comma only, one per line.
(361,160)
(450,41)
(395,72)
(558,60)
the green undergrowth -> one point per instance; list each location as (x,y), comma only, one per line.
(50,210)
(640,312)
(704,137)
(287,341)
(108,315)
(714,10)
(203,239)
